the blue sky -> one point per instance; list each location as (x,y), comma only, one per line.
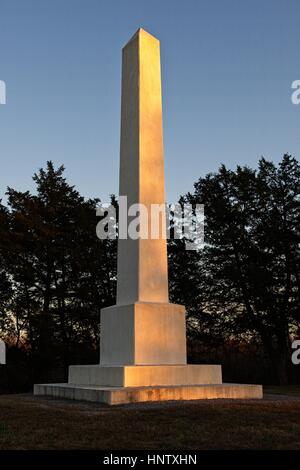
(227,70)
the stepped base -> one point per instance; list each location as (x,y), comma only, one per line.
(128,384)
(123,395)
(145,376)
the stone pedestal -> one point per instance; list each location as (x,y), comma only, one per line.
(116,385)
(143,333)
(145,376)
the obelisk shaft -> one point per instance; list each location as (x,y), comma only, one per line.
(142,263)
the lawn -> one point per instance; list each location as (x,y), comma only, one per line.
(38,423)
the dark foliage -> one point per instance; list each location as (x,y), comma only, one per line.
(56,275)
(245,284)
(242,291)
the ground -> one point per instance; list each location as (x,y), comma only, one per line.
(28,422)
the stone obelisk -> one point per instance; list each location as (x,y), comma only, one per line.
(143,336)
(142,169)
(143,327)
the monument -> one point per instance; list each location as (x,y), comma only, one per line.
(143,336)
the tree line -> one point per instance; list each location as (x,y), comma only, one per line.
(241,291)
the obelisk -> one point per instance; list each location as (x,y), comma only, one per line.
(142,263)
(143,336)
(143,328)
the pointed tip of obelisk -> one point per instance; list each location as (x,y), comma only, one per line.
(139,32)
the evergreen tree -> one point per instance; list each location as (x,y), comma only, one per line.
(248,273)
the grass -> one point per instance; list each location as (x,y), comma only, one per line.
(38,423)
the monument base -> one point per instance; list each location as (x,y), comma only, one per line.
(123,395)
(145,375)
(127,384)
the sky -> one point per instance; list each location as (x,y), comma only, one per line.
(227,70)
